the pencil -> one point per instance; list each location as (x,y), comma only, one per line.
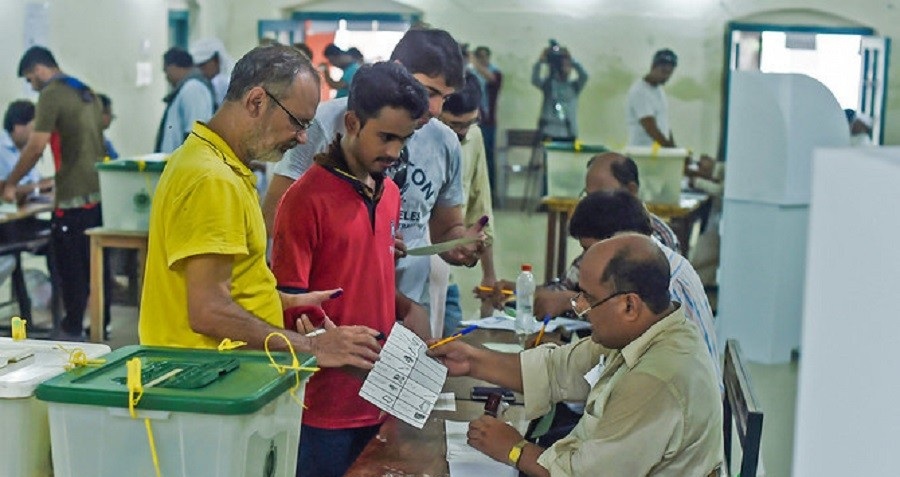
(540,335)
(448,339)
(490,289)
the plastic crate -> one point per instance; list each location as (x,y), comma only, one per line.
(213,414)
(661,171)
(126,189)
(25,440)
(567,166)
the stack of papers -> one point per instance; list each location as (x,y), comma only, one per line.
(465,461)
(506,322)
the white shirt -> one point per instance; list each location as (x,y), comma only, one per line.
(645,100)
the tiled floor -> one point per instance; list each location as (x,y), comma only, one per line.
(520,237)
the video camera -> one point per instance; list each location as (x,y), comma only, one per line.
(555,56)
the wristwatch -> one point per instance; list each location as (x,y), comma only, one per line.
(516,453)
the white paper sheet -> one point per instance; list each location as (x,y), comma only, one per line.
(465,461)
(446,402)
(505,322)
(405,382)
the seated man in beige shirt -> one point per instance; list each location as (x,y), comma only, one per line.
(652,403)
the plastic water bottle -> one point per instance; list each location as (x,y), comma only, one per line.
(524,303)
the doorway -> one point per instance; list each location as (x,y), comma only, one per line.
(827,54)
(374,34)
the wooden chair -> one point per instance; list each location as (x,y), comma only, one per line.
(741,406)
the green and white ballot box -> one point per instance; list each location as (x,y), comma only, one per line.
(126,190)
(24,364)
(567,166)
(196,413)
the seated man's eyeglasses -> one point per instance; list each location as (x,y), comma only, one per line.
(299,124)
(580,311)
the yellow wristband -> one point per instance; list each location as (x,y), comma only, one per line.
(516,453)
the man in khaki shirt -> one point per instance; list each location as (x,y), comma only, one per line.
(652,404)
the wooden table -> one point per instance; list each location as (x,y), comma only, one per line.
(102,238)
(21,231)
(681,217)
(402,450)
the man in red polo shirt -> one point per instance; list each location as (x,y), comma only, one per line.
(335,228)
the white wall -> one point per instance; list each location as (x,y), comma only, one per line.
(99,42)
(613,40)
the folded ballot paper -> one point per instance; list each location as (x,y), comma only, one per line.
(466,461)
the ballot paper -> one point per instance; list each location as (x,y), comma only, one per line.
(405,382)
(465,461)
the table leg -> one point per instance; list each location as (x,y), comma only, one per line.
(550,262)
(561,229)
(96,302)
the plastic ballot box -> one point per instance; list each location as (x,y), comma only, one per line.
(126,189)
(25,438)
(566,167)
(660,171)
(200,413)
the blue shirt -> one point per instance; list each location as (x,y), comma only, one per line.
(347,78)
(9,156)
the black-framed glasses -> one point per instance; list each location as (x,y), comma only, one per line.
(580,314)
(299,124)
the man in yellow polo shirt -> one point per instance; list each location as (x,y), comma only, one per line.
(206,277)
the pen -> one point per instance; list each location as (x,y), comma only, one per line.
(490,289)
(380,336)
(315,332)
(540,335)
(448,339)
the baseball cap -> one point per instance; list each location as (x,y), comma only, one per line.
(665,57)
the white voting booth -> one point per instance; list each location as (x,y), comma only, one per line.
(847,391)
(775,122)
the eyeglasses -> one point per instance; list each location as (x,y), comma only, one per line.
(299,124)
(580,314)
(398,171)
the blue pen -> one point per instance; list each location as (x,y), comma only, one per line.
(448,339)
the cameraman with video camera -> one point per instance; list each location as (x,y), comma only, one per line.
(559,111)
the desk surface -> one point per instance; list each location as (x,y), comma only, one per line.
(688,202)
(103,231)
(400,449)
(28,209)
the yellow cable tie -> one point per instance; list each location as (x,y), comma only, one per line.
(227,344)
(153,453)
(141,165)
(18,329)
(78,358)
(577,145)
(654,150)
(135,387)
(295,365)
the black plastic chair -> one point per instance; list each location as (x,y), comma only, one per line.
(741,406)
